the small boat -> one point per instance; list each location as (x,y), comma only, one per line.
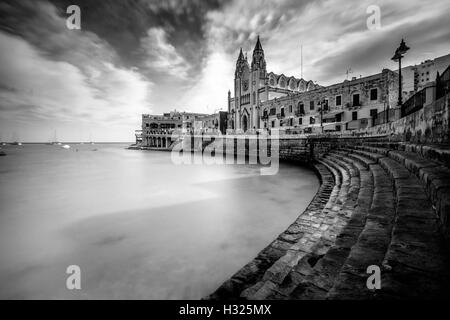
(66,146)
(16,143)
(55,141)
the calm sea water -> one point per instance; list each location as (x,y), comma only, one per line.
(137,225)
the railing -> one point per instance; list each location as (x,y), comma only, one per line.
(414,103)
(443,83)
(383,116)
(299,114)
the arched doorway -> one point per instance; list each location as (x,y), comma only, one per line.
(244,123)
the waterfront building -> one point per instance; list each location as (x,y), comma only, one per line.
(419,76)
(267,100)
(157,129)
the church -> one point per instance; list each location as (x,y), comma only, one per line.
(253,86)
(265,100)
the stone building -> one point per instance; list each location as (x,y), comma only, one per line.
(215,122)
(352,104)
(419,76)
(157,129)
(253,85)
(267,100)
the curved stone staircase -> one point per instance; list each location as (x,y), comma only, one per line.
(379,204)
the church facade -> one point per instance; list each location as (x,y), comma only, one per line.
(253,86)
(266,100)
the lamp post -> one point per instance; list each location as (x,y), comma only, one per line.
(322,105)
(399,52)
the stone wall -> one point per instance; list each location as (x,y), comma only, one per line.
(429,125)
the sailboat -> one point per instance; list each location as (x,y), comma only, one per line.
(55,141)
(90,139)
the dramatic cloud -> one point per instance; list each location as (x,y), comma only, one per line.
(161,56)
(142,56)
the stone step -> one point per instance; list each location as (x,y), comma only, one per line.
(372,244)
(369,155)
(286,274)
(415,249)
(252,273)
(318,282)
(312,225)
(345,185)
(415,264)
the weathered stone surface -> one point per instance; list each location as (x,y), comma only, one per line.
(380,203)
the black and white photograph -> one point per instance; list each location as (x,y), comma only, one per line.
(233,155)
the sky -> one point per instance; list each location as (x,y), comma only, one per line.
(144,56)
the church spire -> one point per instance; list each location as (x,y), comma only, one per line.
(241,56)
(258,46)
(258,61)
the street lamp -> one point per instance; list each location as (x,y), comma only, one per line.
(322,105)
(399,52)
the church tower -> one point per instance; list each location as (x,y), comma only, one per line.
(242,93)
(259,74)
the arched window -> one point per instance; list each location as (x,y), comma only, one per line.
(292,84)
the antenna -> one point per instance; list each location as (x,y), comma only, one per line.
(301,59)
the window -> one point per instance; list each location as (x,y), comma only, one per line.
(291,122)
(373,113)
(325,105)
(273,111)
(356,99)
(300,120)
(311,105)
(301,108)
(282,112)
(290,109)
(147,125)
(355,115)
(338,100)
(312,120)
(265,113)
(273,124)
(373,94)
(339,117)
